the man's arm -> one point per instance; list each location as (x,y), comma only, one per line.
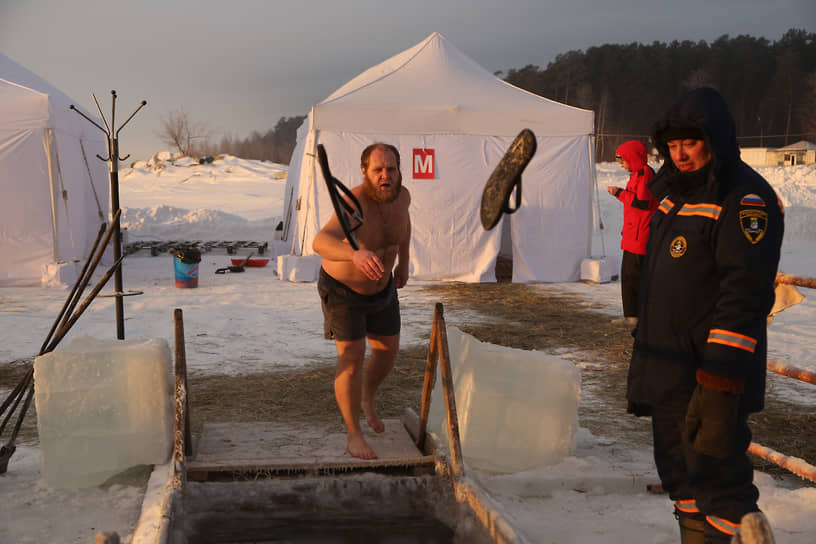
(403,259)
(331,244)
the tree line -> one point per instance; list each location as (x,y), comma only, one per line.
(194,139)
(275,145)
(769,86)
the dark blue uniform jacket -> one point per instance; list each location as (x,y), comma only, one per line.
(710,266)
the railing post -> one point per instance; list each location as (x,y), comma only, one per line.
(457,464)
(430,379)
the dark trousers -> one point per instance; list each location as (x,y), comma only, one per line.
(721,487)
(631,266)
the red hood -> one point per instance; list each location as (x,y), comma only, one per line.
(634,153)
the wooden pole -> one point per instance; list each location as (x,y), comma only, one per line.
(457,465)
(181,379)
(799,281)
(793,464)
(430,378)
(179,402)
(63,330)
(82,282)
(791,371)
(74,289)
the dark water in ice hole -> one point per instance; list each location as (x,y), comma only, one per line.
(365,509)
(393,531)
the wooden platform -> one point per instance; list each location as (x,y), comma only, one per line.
(242,450)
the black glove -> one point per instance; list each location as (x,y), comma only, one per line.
(711,421)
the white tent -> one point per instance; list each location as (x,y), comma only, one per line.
(54,189)
(433,99)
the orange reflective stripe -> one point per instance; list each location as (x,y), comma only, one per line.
(712,211)
(723,525)
(732,339)
(687,506)
(666,205)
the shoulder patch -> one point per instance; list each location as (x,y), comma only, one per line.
(752,200)
(754,223)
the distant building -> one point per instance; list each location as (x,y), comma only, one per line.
(799,153)
(802,152)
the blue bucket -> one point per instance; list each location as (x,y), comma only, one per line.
(186,267)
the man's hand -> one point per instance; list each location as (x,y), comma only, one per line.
(368,263)
(613,190)
(400,276)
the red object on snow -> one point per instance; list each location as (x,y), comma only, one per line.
(255,263)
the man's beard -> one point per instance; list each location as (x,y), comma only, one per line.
(383,195)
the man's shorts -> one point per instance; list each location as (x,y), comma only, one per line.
(348,315)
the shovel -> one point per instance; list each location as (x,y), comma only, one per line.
(235,268)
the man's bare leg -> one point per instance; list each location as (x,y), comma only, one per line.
(383,353)
(348,392)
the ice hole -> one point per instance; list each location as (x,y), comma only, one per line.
(350,508)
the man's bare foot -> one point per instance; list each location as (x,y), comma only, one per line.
(374,422)
(358,447)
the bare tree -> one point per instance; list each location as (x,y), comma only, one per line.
(184,134)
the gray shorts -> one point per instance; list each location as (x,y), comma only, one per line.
(348,315)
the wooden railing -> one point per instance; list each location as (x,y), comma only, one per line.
(793,464)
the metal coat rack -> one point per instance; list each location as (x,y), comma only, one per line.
(113,159)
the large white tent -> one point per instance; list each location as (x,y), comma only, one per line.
(452,121)
(54,188)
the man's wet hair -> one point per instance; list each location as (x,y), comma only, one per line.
(382,147)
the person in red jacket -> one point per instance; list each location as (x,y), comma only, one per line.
(638,207)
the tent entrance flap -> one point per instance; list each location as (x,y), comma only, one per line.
(59,210)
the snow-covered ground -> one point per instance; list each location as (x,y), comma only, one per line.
(250,322)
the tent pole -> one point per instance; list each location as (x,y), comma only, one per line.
(47,136)
(596,198)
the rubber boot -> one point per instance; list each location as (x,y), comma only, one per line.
(713,535)
(691,527)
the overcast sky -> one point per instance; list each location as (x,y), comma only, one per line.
(239,66)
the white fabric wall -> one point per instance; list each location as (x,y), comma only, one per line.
(32,233)
(26,237)
(550,231)
(48,211)
(293,187)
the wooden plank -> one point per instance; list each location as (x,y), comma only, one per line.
(278,447)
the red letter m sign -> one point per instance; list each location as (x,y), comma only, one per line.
(424,166)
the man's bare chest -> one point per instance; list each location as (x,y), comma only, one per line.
(384,225)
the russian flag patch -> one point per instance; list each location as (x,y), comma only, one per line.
(752,200)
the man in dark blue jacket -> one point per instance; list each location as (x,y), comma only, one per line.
(698,363)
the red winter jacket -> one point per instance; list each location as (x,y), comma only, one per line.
(638,202)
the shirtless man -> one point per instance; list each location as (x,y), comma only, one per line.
(359,294)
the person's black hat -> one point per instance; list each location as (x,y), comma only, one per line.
(681,133)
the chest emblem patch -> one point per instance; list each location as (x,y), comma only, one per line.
(753,223)
(678,247)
